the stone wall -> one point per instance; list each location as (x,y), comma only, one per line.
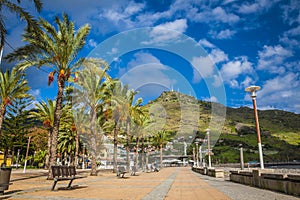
(267,179)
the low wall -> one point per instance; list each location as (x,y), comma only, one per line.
(267,179)
(217,173)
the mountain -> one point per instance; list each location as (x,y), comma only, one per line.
(188,118)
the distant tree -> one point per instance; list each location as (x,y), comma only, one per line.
(16,125)
(160,139)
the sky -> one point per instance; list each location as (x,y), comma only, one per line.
(210,49)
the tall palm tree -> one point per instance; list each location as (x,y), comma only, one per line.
(134,110)
(15,7)
(57,49)
(13,86)
(141,123)
(92,91)
(160,139)
(124,109)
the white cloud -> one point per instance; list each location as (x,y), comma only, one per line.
(224,34)
(216,15)
(36,92)
(257,6)
(247,82)
(281,92)
(211,99)
(142,58)
(205,43)
(233,69)
(280,85)
(218,56)
(92,43)
(272,57)
(167,32)
(203,67)
(291,13)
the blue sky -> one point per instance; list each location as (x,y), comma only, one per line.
(209,49)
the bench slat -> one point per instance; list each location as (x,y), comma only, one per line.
(61,173)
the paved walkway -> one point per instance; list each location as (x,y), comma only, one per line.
(170,184)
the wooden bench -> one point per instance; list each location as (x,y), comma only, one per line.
(121,171)
(63,173)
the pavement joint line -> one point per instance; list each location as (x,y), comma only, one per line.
(161,191)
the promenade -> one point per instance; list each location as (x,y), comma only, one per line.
(170,183)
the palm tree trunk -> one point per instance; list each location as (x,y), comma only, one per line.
(137,152)
(143,153)
(147,152)
(76,149)
(93,143)
(48,154)
(127,145)
(55,129)
(161,153)
(2,113)
(115,156)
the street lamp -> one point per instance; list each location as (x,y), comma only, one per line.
(201,159)
(208,148)
(197,152)
(252,90)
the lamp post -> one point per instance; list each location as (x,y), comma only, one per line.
(252,90)
(83,156)
(197,153)
(208,148)
(194,164)
(201,159)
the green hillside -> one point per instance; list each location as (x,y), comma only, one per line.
(186,117)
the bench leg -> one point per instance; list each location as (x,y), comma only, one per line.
(54,184)
(70,183)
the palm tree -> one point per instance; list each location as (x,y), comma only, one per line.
(160,139)
(141,123)
(57,49)
(14,7)
(13,86)
(92,92)
(66,144)
(44,112)
(123,110)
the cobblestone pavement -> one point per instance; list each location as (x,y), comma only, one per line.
(170,184)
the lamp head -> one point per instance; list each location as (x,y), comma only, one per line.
(252,90)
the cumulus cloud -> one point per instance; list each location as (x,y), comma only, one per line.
(271,58)
(206,43)
(167,32)
(203,67)
(224,34)
(233,69)
(281,92)
(215,15)
(257,6)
